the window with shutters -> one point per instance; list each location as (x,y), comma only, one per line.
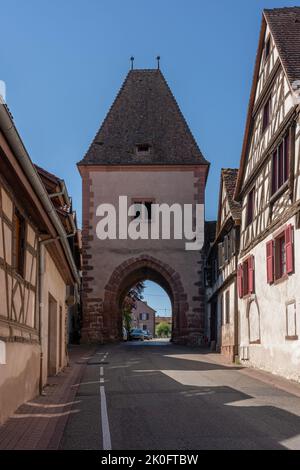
(144,316)
(266,117)
(246,277)
(221,255)
(280,259)
(267,48)
(250,207)
(280,164)
(226,248)
(19,243)
(280,255)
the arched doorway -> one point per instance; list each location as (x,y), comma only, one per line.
(131,272)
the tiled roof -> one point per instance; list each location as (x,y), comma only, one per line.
(285,28)
(47,174)
(144,113)
(229,176)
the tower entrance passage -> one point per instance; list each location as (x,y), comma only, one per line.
(130,273)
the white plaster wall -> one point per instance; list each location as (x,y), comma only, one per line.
(274,353)
(227,330)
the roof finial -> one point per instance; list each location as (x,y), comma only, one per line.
(158,59)
(132,60)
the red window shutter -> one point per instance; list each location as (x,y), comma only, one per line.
(270,262)
(289,249)
(240,280)
(251,275)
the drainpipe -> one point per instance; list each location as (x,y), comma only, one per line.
(236,301)
(41,264)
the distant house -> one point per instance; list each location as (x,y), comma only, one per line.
(143,316)
(159,319)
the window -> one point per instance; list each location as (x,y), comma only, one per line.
(143,149)
(220,255)
(280,164)
(232,242)
(145,327)
(225,248)
(250,207)
(267,48)
(143,210)
(144,316)
(266,115)
(245,277)
(221,309)
(280,255)
(227,304)
(19,243)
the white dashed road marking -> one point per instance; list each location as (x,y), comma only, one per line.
(104,415)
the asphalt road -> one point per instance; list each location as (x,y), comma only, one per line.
(157,396)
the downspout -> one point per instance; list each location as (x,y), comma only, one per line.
(236,301)
(41,261)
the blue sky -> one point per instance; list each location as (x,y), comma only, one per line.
(157,298)
(63,62)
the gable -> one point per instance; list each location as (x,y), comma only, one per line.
(228,207)
(270,80)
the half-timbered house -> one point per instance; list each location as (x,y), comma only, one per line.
(268,188)
(221,269)
(37,273)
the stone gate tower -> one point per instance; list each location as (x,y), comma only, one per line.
(144,150)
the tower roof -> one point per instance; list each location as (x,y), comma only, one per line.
(144,126)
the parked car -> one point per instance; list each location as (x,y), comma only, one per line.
(125,334)
(137,334)
(147,334)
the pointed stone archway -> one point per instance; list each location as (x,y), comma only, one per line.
(129,273)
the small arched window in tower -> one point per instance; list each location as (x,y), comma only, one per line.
(142,149)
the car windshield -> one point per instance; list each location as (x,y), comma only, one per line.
(137,330)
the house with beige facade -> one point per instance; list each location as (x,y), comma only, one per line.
(39,274)
(268,189)
(143,316)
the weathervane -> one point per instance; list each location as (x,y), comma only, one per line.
(158,59)
(132,60)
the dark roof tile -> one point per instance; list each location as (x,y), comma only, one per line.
(144,112)
(285,28)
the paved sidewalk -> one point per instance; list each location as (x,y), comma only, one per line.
(39,423)
(259,374)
